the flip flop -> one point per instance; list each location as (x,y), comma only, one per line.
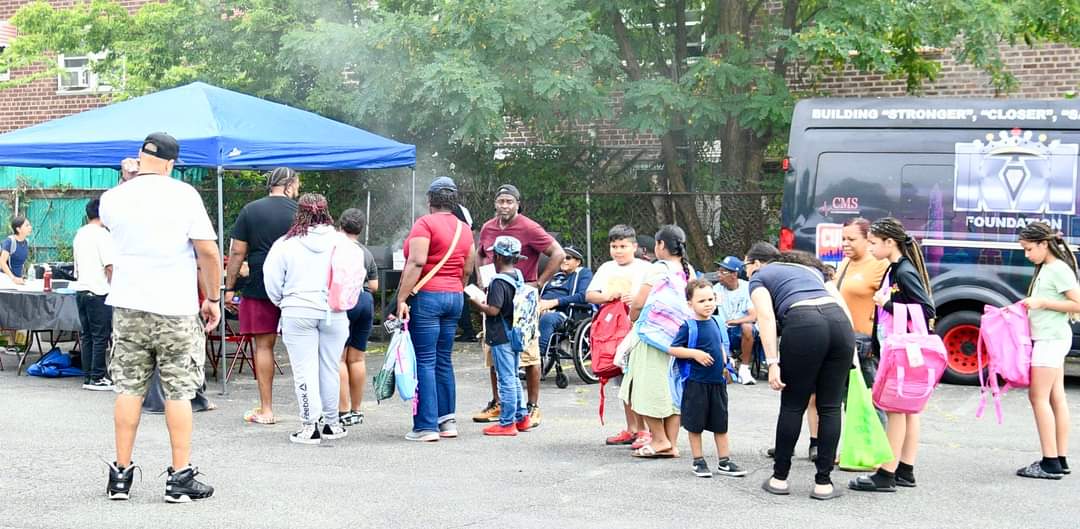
(835,493)
(865,484)
(767,487)
(252,416)
(648,452)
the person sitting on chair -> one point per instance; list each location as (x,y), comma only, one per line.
(734,308)
(567,287)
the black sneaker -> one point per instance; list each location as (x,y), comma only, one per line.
(352,418)
(727,467)
(1035,470)
(182,487)
(101,384)
(333,431)
(120,480)
(701,468)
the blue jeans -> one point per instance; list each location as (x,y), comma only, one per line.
(506,369)
(432,322)
(548,322)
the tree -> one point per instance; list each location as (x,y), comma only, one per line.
(738,89)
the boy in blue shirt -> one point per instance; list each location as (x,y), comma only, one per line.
(705,399)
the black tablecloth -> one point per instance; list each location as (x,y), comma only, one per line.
(38,311)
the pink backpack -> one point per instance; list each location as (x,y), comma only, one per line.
(912,363)
(347,275)
(1005,335)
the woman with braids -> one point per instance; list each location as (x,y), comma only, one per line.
(907,282)
(645,385)
(789,293)
(296,276)
(1053,295)
(440,254)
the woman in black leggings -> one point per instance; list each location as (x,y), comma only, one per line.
(788,291)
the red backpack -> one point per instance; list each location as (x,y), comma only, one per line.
(609,327)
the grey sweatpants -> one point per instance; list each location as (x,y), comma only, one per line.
(315,347)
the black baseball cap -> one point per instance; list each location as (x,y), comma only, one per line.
(509,189)
(161,145)
(573,252)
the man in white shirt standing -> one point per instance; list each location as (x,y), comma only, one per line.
(93,250)
(165,250)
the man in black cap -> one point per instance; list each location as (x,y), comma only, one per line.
(259,224)
(565,289)
(534,242)
(165,250)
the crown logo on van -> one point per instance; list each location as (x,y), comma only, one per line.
(1016,172)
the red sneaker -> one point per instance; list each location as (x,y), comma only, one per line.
(641,439)
(624,438)
(525,424)
(500,430)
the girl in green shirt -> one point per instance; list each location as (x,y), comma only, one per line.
(1054,294)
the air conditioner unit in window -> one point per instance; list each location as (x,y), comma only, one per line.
(75,80)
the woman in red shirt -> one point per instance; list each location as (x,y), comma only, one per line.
(439,253)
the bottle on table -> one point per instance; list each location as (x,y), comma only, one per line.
(47,276)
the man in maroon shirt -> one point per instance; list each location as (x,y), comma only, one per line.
(534,242)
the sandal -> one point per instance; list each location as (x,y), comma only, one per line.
(833,494)
(768,487)
(254,417)
(640,440)
(648,452)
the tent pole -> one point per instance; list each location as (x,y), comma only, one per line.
(222,364)
(588,228)
(412,197)
(367,225)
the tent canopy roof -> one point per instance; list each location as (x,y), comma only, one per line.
(215,127)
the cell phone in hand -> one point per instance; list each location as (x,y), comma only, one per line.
(391,325)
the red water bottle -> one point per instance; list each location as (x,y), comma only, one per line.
(48,279)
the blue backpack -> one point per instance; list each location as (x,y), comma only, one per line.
(679,370)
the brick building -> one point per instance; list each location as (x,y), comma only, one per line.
(74,91)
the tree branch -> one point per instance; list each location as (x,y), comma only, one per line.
(796,28)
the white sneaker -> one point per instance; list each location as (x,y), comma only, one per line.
(308,434)
(333,431)
(745,378)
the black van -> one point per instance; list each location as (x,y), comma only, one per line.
(962,174)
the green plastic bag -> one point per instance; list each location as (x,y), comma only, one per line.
(383,383)
(864,445)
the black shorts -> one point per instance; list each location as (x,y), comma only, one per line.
(704,407)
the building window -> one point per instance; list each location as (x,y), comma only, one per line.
(7,32)
(77,75)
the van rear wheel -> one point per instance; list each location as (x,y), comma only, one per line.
(960,332)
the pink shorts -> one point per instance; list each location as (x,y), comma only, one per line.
(258,316)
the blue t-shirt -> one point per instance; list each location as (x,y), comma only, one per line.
(19,252)
(709,339)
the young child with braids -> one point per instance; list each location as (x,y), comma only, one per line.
(645,385)
(1054,294)
(906,281)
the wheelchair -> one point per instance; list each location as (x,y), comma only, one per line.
(758,369)
(570,341)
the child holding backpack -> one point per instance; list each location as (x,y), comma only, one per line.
(705,399)
(645,385)
(506,355)
(906,281)
(1054,294)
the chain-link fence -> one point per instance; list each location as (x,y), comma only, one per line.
(730,221)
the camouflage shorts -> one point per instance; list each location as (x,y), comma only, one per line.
(175,344)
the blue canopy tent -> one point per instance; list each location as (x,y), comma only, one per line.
(216,128)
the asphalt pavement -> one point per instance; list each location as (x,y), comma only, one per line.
(55,437)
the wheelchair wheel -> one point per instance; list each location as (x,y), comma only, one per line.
(582,358)
(561,380)
(758,369)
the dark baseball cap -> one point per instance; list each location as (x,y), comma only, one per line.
(441,183)
(161,145)
(509,189)
(573,252)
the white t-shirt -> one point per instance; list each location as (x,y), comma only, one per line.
(153,220)
(93,250)
(732,304)
(612,276)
